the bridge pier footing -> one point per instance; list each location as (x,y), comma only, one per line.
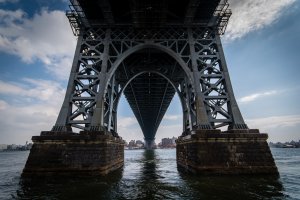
(149,144)
(231,152)
(67,153)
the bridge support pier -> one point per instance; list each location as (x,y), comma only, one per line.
(149,144)
(232,152)
(67,153)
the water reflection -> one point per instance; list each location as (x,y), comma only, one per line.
(151,174)
(148,182)
(149,185)
(233,187)
(57,187)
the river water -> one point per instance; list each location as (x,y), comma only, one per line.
(152,174)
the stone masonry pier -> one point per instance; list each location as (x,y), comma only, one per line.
(232,152)
(66,153)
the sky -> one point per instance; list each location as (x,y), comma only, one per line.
(261,45)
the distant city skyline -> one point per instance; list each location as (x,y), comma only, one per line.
(37,46)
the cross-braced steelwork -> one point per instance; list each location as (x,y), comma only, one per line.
(149,51)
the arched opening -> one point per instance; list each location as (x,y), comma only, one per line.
(149,79)
(147,47)
(171,124)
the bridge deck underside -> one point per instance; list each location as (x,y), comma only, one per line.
(149,97)
(147,13)
(149,94)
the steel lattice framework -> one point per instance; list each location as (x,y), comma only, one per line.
(149,56)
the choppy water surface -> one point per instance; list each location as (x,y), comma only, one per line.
(152,174)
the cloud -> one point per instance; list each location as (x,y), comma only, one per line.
(129,129)
(3,105)
(274,122)
(32,107)
(9,17)
(279,128)
(126,122)
(251,15)
(256,96)
(46,37)
(172,117)
(19,123)
(35,89)
(61,67)
(168,131)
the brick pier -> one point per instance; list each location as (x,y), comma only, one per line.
(233,152)
(65,153)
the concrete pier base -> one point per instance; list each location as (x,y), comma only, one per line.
(95,153)
(232,152)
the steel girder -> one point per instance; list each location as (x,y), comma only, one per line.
(190,62)
(150,13)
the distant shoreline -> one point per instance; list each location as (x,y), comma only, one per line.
(6,150)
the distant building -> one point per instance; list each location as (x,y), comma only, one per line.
(168,142)
(3,147)
(139,144)
(291,144)
(135,145)
(14,147)
(131,144)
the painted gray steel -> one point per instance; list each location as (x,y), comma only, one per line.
(148,62)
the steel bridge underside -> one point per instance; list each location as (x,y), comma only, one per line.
(148,13)
(149,77)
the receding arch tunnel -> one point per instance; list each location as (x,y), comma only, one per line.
(149,79)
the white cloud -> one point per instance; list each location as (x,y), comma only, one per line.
(274,122)
(168,131)
(255,96)
(252,15)
(37,89)
(19,123)
(3,105)
(9,16)
(46,37)
(33,107)
(279,128)
(7,88)
(61,67)
(126,122)
(129,129)
(172,117)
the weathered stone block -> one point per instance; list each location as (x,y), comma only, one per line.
(68,153)
(232,152)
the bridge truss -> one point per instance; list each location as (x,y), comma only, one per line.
(149,52)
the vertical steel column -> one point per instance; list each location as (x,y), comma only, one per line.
(65,111)
(237,119)
(111,95)
(187,118)
(202,117)
(97,121)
